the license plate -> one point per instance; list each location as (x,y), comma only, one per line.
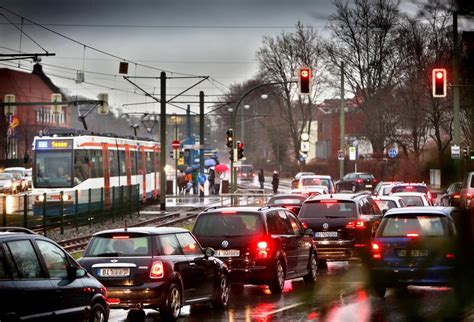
(413,252)
(227,253)
(113,272)
(322,234)
(368,186)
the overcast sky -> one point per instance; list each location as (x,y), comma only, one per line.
(216,38)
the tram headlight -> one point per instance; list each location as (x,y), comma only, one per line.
(67,197)
(40,198)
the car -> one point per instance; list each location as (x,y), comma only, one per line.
(290,201)
(19,173)
(452,195)
(414,246)
(386,203)
(310,191)
(356,181)
(467,191)
(161,268)
(29,177)
(296,178)
(383,188)
(414,187)
(307,181)
(343,225)
(40,280)
(245,172)
(8,183)
(261,246)
(414,198)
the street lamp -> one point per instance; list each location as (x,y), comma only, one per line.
(175,151)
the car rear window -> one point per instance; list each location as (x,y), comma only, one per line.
(228,224)
(119,245)
(423,189)
(366,176)
(411,201)
(402,226)
(328,208)
(286,201)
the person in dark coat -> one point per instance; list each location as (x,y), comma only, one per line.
(261,178)
(212,180)
(275,181)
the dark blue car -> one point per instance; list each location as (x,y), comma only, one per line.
(414,246)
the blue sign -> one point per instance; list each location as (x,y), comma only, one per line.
(202,178)
(392,153)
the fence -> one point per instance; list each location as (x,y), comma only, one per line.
(45,211)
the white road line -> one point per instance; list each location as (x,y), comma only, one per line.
(280,309)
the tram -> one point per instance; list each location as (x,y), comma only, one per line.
(70,163)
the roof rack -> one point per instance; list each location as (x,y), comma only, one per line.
(17,230)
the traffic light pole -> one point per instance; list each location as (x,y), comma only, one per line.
(456,109)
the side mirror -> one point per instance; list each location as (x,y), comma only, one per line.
(209,251)
(74,272)
(309,232)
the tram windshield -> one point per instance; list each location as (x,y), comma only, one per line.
(53,169)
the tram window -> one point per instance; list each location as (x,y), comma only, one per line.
(140,161)
(149,162)
(123,166)
(113,161)
(133,162)
(96,159)
(81,165)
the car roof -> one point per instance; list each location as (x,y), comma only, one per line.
(391,197)
(338,196)
(143,230)
(405,184)
(288,195)
(421,210)
(316,176)
(240,209)
(15,169)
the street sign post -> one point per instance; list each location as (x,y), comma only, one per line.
(352,153)
(340,155)
(455,152)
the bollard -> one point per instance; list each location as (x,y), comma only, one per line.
(76,209)
(44,213)
(61,212)
(89,207)
(25,210)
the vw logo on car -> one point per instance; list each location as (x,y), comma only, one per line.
(325,225)
(225,244)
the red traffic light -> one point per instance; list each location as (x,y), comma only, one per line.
(439,82)
(304,81)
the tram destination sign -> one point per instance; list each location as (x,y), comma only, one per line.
(59,144)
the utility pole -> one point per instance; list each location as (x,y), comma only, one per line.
(342,124)
(163,141)
(456,109)
(201,139)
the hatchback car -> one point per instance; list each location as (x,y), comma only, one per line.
(467,191)
(452,195)
(8,183)
(19,174)
(383,188)
(356,181)
(40,281)
(162,268)
(343,224)
(261,246)
(308,181)
(414,246)
(414,187)
(290,201)
(296,178)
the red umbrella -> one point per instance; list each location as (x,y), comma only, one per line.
(221,167)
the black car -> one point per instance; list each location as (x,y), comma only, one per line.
(261,246)
(40,281)
(343,224)
(162,268)
(452,196)
(290,201)
(356,181)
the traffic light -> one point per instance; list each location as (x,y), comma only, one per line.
(230,138)
(439,82)
(466,153)
(240,150)
(304,81)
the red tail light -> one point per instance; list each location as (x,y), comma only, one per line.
(113,300)
(468,195)
(456,196)
(413,235)
(263,249)
(305,225)
(376,251)
(157,270)
(450,256)
(430,196)
(358,224)
(359,180)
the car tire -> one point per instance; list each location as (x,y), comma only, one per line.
(312,275)
(221,292)
(98,313)
(171,309)
(322,264)
(278,282)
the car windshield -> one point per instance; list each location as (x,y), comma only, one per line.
(401,226)
(328,209)
(386,204)
(53,169)
(121,245)
(315,182)
(5,176)
(228,224)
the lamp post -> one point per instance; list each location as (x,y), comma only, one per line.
(175,151)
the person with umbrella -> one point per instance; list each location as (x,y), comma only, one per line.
(275,181)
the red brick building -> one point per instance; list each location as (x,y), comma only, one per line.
(17,131)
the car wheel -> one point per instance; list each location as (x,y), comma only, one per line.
(322,264)
(312,275)
(171,310)
(278,282)
(221,292)
(98,313)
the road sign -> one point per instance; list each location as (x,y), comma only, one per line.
(455,152)
(175,144)
(392,153)
(352,153)
(304,147)
(201,178)
(340,155)
(304,136)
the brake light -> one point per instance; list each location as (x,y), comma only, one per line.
(456,196)
(413,235)
(409,188)
(120,237)
(113,300)
(328,201)
(376,251)
(263,250)
(468,195)
(450,256)
(229,212)
(305,225)
(358,224)
(430,196)
(157,270)
(359,180)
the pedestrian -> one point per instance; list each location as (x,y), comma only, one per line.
(217,183)
(275,181)
(212,180)
(195,181)
(261,179)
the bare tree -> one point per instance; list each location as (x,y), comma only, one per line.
(364,36)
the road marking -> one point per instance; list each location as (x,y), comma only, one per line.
(281,309)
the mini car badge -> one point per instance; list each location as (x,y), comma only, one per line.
(225,244)
(325,225)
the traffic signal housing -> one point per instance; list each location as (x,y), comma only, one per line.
(439,82)
(240,150)
(304,81)
(230,138)
(466,153)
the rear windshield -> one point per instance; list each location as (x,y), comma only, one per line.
(366,176)
(411,201)
(286,201)
(401,226)
(225,224)
(328,209)
(423,189)
(246,168)
(386,204)
(315,182)
(119,246)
